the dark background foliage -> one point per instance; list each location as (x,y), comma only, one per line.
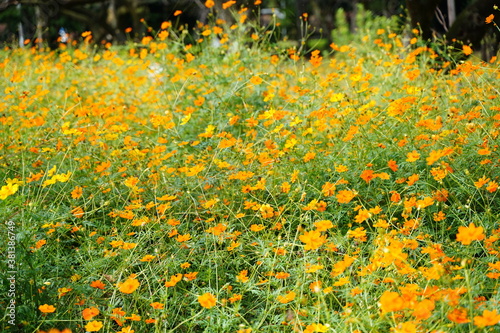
(41,20)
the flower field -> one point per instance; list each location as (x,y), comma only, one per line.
(172,187)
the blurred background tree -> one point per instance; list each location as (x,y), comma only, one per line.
(461,20)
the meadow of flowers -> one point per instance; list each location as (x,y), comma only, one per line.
(172,187)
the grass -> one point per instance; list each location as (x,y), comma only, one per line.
(165,187)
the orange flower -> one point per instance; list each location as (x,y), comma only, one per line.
(481,182)
(228,4)
(406,327)
(157,305)
(323,225)
(313,239)
(207,300)
(341,266)
(359,234)
(367,175)
(257,227)
(285,187)
(77,192)
(345,196)
(165,25)
(103,166)
(40,243)
(342,281)
(392,165)
(242,276)
(489,19)
(316,58)
(316,328)
(489,318)
(282,275)
(90,313)
(423,310)
(134,317)
(46,308)
(315,286)
(209,3)
(97,284)
(363,215)
(341,168)
(129,286)
(395,197)
(235,298)
(467,235)
(147,258)
(458,316)
(328,189)
(391,301)
(78,212)
(173,280)
(412,179)
(256,80)
(467,50)
(183,238)
(93,326)
(441,195)
(413,156)
(492,186)
(191,276)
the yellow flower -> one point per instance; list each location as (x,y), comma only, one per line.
(287,298)
(242,276)
(313,239)
(147,258)
(316,328)
(93,326)
(8,190)
(257,227)
(413,156)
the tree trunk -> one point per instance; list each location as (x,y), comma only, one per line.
(421,15)
(470,27)
(133,8)
(40,27)
(20,26)
(452,14)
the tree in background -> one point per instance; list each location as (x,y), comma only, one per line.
(468,28)
(108,19)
